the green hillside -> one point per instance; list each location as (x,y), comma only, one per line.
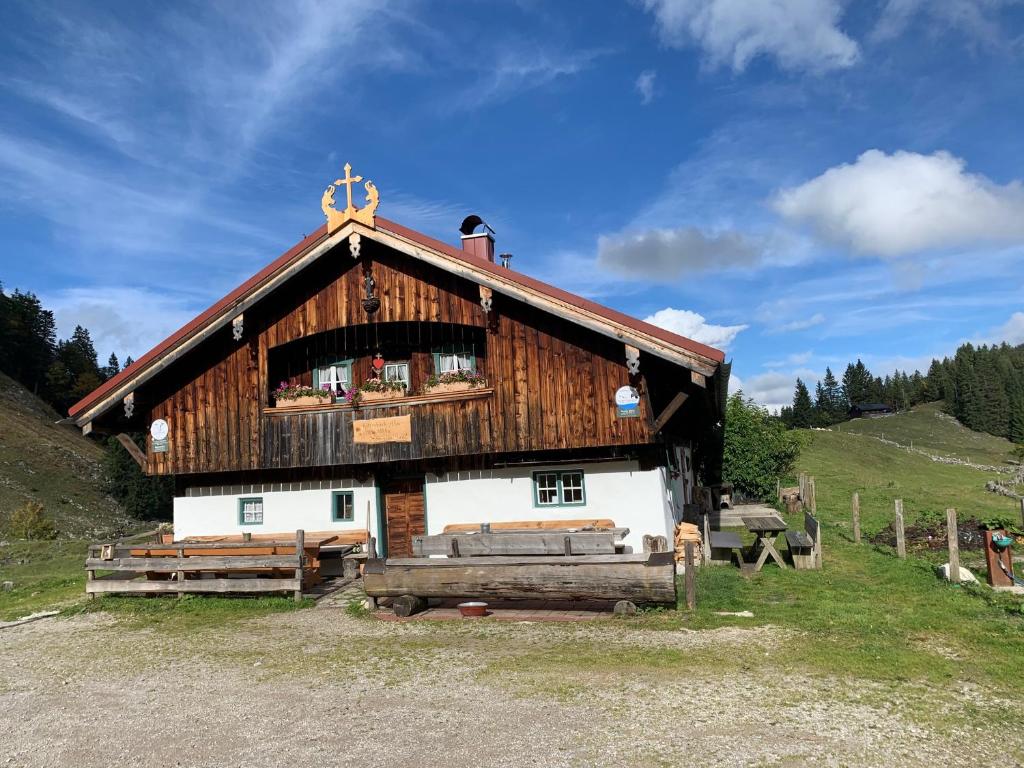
(54,465)
(927,427)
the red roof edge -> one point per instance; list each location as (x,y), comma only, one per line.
(113,383)
(417,237)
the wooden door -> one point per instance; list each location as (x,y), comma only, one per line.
(404,515)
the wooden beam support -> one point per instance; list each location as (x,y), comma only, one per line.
(133,450)
(129,405)
(699,379)
(632,360)
(87,428)
(238,327)
(670,409)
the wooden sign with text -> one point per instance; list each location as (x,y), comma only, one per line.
(392,429)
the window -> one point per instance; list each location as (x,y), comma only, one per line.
(559,489)
(546,488)
(336,376)
(572,487)
(397,372)
(454,358)
(342,507)
(250,511)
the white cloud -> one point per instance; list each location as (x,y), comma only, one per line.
(797,358)
(122,320)
(972,18)
(645,85)
(799,325)
(892,205)
(1012,331)
(694,326)
(668,254)
(798,34)
(774,389)
(516,70)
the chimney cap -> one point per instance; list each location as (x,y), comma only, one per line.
(473,221)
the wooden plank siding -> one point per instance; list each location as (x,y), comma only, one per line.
(553,381)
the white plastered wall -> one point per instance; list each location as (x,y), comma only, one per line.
(619,491)
(286,508)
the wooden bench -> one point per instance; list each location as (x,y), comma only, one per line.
(719,545)
(805,546)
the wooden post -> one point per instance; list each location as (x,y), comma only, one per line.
(901,539)
(952,536)
(690,577)
(706,543)
(1022,513)
(803,491)
(300,554)
(778,490)
(180,577)
(814,497)
(856,518)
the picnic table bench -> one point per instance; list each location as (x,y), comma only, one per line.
(766,528)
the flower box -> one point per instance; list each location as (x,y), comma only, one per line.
(304,400)
(372,396)
(454,386)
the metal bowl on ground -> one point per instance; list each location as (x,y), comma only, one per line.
(473,609)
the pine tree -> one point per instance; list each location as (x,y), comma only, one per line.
(112,368)
(1016,426)
(29,339)
(803,410)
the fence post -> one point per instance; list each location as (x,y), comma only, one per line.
(954,546)
(901,540)
(690,577)
(814,496)
(778,492)
(803,491)
(300,554)
(856,518)
(1022,512)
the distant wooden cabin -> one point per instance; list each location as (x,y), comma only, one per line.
(558,409)
(861,410)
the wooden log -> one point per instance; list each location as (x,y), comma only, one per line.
(901,537)
(408,605)
(648,578)
(856,518)
(539,543)
(812,489)
(193,586)
(534,525)
(192,564)
(1022,513)
(690,578)
(953,539)
(300,554)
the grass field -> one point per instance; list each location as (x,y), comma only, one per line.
(928,428)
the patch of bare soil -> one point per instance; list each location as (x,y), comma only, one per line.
(933,535)
(319,687)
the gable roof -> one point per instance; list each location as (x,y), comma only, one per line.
(692,354)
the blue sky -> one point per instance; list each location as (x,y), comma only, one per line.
(799,181)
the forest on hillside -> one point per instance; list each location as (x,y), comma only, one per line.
(63,371)
(982,386)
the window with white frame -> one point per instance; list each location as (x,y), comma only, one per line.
(545,489)
(454,358)
(250,511)
(397,372)
(559,489)
(336,376)
(572,487)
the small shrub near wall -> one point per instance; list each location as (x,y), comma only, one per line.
(758,448)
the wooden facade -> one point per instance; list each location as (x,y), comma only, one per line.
(551,383)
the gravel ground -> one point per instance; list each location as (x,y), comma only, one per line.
(322,687)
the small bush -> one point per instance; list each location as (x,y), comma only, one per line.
(758,448)
(30,522)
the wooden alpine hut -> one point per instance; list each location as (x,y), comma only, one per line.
(374,377)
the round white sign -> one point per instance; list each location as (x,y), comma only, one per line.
(627,398)
(158,429)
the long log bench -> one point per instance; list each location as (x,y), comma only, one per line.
(639,578)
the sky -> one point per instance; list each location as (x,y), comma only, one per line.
(798,182)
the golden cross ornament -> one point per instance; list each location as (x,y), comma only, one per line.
(364,215)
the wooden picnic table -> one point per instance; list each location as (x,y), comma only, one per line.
(767,528)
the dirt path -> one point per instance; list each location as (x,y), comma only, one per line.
(320,687)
